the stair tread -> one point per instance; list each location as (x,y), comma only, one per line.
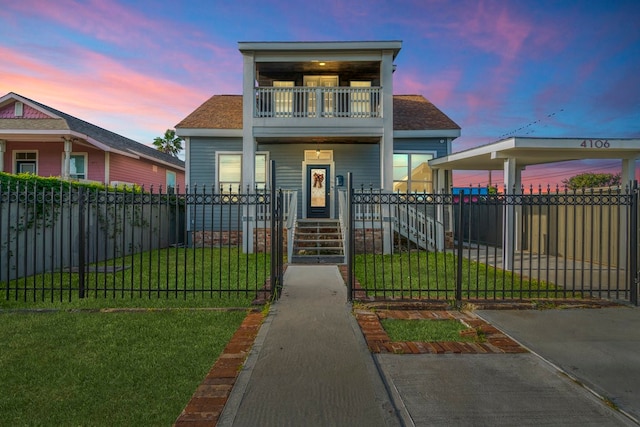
(318,241)
(319,248)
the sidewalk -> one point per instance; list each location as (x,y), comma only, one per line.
(310,366)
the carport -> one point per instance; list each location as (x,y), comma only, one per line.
(513,155)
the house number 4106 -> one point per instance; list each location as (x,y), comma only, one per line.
(595,143)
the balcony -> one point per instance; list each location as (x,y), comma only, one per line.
(318,102)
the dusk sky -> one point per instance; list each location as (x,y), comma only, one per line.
(497,68)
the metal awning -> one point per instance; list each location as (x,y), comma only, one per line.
(535,151)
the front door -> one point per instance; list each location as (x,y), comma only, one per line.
(318,185)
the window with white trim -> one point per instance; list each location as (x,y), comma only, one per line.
(18,110)
(78,166)
(25,162)
(229,167)
(411,173)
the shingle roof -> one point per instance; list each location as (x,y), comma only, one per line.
(106,137)
(217,112)
(410,112)
(415,112)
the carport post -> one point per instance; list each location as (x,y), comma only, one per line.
(459,250)
(633,245)
(511,185)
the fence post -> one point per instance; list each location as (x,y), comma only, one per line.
(280,240)
(350,237)
(459,248)
(633,243)
(82,241)
(273,237)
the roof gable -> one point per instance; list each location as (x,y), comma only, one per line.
(96,133)
(8,111)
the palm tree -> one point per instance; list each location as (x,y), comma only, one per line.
(170,143)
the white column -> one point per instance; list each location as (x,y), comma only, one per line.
(248,147)
(187,161)
(627,177)
(3,148)
(628,172)
(440,187)
(68,147)
(509,221)
(386,144)
(107,168)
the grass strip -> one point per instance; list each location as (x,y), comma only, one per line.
(422,330)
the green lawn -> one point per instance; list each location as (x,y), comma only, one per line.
(136,368)
(71,364)
(174,277)
(430,275)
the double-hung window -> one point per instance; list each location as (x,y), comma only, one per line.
(360,99)
(78,166)
(26,162)
(229,167)
(411,173)
(283,98)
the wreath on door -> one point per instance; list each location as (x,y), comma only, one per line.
(318,178)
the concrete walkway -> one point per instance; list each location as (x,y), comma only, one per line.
(310,365)
(600,348)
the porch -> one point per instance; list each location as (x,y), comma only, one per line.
(318,102)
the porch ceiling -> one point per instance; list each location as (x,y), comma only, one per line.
(314,67)
(319,140)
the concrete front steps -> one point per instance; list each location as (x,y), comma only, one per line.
(318,241)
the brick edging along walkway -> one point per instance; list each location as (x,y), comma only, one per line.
(207,402)
(378,341)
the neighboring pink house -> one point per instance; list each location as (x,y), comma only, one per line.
(39,139)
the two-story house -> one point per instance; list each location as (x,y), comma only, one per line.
(319,110)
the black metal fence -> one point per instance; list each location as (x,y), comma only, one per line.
(67,243)
(522,246)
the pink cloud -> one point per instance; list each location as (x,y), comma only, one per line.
(101,91)
(438,88)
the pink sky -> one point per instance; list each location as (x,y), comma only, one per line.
(534,68)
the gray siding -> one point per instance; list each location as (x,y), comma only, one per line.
(362,160)
(421,144)
(202,169)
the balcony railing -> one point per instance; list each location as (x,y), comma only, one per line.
(313,102)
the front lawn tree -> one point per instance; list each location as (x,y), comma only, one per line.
(169,143)
(592,180)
